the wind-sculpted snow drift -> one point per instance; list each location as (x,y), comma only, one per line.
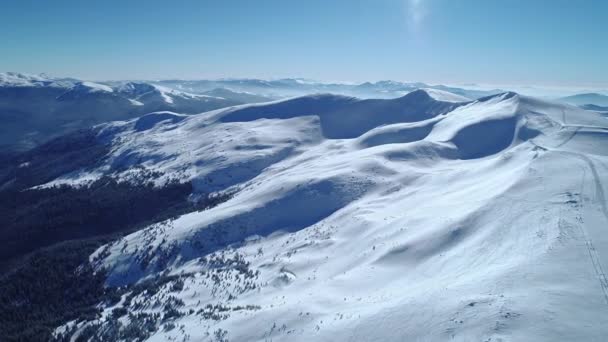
(412,219)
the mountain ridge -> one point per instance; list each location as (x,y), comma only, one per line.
(324,215)
(338,226)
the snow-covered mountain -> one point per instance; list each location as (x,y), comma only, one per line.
(586,99)
(243,97)
(36,108)
(595,108)
(291,87)
(420,218)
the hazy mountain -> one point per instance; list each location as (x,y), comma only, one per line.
(291,87)
(587,98)
(242,97)
(595,108)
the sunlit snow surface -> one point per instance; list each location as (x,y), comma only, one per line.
(410,219)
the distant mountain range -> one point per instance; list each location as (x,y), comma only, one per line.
(586,99)
(290,87)
(595,108)
(36,108)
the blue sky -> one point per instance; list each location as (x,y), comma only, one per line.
(523,42)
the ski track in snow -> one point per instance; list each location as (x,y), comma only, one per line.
(599,198)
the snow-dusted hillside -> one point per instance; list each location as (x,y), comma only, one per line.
(412,219)
(36,108)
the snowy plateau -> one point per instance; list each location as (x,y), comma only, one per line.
(426,217)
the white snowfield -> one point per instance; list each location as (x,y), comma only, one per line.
(412,219)
(137,91)
(15,79)
(441,95)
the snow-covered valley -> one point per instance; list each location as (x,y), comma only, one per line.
(427,217)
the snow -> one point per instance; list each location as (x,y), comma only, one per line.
(15,79)
(441,95)
(152,120)
(417,218)
(585,99)
(97,87)
(50,107)
(85,89)
(136,90)
(135,102)
(19,79)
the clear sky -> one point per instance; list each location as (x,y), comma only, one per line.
(542,42)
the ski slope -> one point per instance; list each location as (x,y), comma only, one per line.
(422,218)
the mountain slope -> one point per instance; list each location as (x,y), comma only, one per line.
(242,97)
(586,99)
(250,137)
(595,108)
(404,219)
(35,109)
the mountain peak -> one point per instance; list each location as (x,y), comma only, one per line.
(501,96)
(425,94)
(21,79)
